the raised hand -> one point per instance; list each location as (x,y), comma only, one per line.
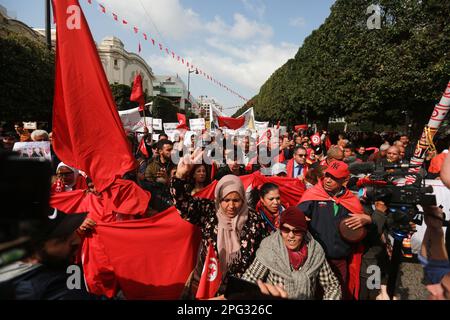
(186,163)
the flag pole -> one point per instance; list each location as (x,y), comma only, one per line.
(439,113)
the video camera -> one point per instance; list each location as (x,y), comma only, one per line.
(384,184)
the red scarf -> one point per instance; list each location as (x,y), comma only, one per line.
(352,204)
(273,218)
(298,258)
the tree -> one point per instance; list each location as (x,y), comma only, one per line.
(346,69)
(27,79)
(164,109)
(121,94)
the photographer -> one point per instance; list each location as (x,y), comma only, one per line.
(44,275)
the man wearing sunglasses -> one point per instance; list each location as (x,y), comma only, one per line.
(297,166)
(326,205)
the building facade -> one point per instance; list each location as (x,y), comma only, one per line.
(122,66)
(205,103)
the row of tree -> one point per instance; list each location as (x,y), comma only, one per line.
(345,68)
(27,84)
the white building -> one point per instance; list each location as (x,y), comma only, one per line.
(204,105)
(122,66)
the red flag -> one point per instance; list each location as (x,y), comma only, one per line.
(109,263)
(124,21)
(211,276)
(137,94)
(90,1)
(135,30)
(145,36)
(315,139)
(103,8)
(160,46)
(231,123)
(301,127)
(173,55)
(115,16)
(182,121)
(89,134)
(143,148)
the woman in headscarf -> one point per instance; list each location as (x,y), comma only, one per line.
(234,230)
(68,179)
(292,259)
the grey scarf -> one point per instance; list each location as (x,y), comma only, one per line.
(273,254)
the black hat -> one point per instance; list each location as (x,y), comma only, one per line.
(60,224)
(317,149)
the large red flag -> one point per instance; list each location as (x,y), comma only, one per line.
(211,276)
(231,123)
(147,258)
(88,133)
(137,94)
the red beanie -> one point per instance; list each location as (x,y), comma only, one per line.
(293,216)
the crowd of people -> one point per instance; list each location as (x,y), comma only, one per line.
(318,248)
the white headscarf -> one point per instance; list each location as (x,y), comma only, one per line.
(75,177)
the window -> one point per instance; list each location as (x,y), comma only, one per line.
(115,62)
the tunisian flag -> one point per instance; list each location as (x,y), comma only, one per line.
(88,133)
(137,94)
(211,276)
(182,121)
(231,123)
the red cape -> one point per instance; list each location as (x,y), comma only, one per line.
(290,168)
(352,204)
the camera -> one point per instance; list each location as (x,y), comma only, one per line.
(384,185)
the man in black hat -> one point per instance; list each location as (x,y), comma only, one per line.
(44,275)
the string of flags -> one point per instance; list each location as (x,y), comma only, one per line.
(162,48)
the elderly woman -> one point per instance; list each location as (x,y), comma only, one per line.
(68,179)
(291,258)
(234,230)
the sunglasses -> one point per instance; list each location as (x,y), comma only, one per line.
(301,155)
(287,230)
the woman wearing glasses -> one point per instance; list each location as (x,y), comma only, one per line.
(68,179)
(291,259)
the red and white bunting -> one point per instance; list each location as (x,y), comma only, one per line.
(189,65)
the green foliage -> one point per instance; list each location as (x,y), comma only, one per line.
(27,80)
(121,94)
(164,109)
(345,69)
